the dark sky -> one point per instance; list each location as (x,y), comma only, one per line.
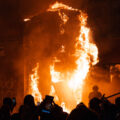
(103,19)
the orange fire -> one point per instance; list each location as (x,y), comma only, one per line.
(34,85)
(86,53)
(58,6)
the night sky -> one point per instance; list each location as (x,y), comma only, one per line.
(104,21)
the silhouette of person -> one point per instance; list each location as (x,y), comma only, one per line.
(29,110)
(95,93)
(6,109)
(81,112)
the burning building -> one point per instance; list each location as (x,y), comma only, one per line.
(60,52)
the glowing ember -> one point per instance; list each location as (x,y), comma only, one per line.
(33,83)
(26,19)
(62,49)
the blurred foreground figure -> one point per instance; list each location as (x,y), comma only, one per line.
(117,103)
(48,110)
(94,105)
(81,112)
(6,109)
(28,111)
(103,108)
(95,93)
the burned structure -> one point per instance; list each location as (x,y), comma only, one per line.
(29,46)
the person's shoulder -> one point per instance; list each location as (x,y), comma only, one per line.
(91,93)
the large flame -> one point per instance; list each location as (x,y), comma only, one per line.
(85,52)
(34,84)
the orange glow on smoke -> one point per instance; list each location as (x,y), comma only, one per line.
(85,52)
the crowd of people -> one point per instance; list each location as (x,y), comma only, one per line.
(99,108)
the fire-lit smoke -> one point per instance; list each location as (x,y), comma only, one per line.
(86,54)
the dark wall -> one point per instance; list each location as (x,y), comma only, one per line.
(11,58)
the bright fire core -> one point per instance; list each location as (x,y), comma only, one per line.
(86,53)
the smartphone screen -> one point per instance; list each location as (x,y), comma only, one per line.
(14,100)
(46,111)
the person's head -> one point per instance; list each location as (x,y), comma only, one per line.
(81,105)
(29,100)
(95,88)
(8,102)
